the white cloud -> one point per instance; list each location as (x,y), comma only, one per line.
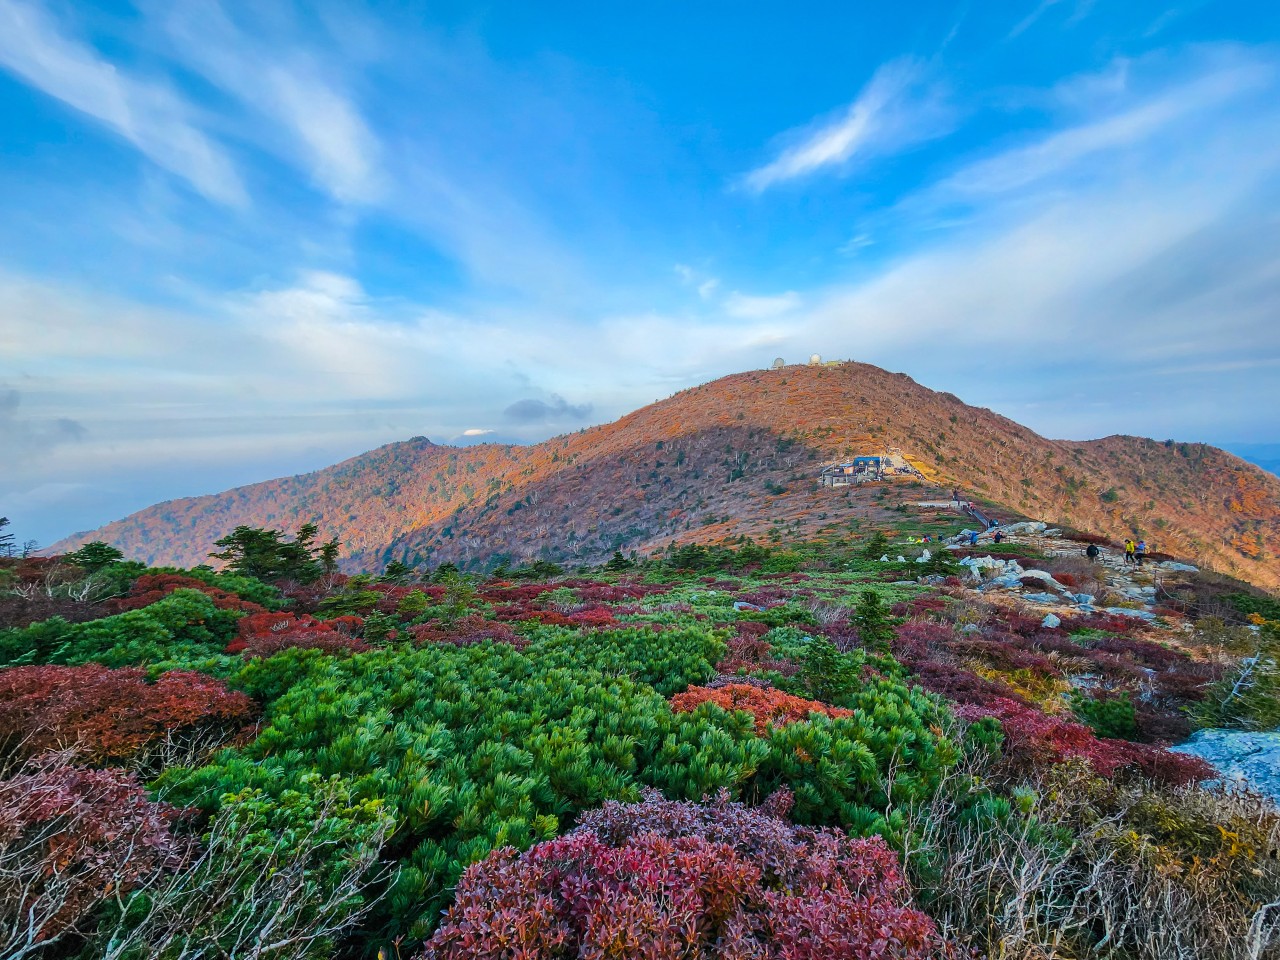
(476,432)
(890,113)
(147,114)
(1064,149)
(704,283)
(760,308)
(281,80)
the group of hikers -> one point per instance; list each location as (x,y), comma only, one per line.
(1135,551)
(997,537)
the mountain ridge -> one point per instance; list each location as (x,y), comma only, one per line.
(736,456)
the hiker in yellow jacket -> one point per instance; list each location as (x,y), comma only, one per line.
(1130,549)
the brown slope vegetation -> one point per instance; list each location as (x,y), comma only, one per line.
(738,455)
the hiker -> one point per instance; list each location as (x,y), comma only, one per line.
(1140,551)
(1092,551)
(955,496)
(999,536)
(973,538)
(1129,549)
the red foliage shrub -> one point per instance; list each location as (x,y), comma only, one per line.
(920,606)
(958,684)
(150,587)
(1141,651)
(106,714)
(593,617)
(70,840)
(770,706)
(262,634)
(1033,739)
(1004,651)
(611,593)
(20,611)
(466,632)
(1164,766)
(521,594)
(1102,622)
(747,652)
(1019,623)
(664,880)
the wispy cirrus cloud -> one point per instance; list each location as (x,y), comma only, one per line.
(279,78)
(150,115)
(897,108)
(1136,118)
(747,307)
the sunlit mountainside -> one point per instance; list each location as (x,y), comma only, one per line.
(739,455)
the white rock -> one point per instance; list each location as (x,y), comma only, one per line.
(1050,621)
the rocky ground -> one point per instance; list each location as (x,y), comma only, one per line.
(1251,758)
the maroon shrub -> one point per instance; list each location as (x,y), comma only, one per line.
(70,840)
(262,634)
(151,587)
(1033,739)
(661,879)
(106,714)
(467,632)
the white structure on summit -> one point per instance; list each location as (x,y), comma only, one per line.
(779,363)
(815,360)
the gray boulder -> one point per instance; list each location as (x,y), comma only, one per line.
(1240,757)
(1126,612)
(1008,581)
(1045,578)
(1050,621)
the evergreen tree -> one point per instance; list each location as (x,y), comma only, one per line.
(398,572)
(875,626)
(828,674)
(328,557)
(6,539)
(877,546)
(94,556)
(618,562)
(266,555)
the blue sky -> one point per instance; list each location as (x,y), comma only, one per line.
(239,241)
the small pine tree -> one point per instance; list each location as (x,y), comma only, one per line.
(875,626)
(94,556)
(877,546)
(827,674)
(398,572)
(618,562)
(266,555)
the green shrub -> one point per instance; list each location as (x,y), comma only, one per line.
(1110,717)
(480,747)
(180,631)
(280,874)
(1248,696)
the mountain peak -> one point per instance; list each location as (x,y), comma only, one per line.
(738,456)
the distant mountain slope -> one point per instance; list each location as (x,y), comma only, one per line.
(1264,455)
(738,455)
